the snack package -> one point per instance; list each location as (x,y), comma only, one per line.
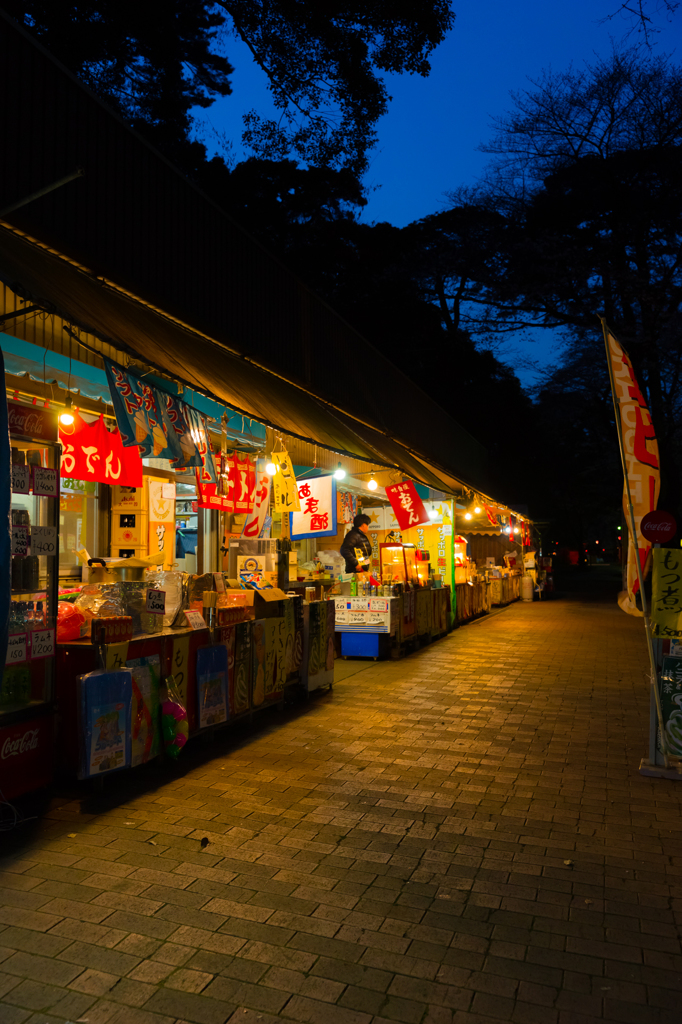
(174,721)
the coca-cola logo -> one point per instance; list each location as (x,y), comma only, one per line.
(658,526)
(20,744)
(30,422)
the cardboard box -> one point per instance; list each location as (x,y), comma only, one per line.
(260,604)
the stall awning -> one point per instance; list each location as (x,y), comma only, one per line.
(126,326)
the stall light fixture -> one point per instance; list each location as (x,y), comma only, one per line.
(66,418)
(477,510)
(372,484)
(340,473)
(271,469)
(467,515)
(516,529)
(433,514)
(508,529)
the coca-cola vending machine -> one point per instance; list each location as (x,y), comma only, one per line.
(27,688)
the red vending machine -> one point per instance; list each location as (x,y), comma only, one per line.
(26,692)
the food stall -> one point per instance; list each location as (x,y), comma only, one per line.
(164,581)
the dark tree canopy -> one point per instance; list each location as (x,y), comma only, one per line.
(152,61)
(325,63)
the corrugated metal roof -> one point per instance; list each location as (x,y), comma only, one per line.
(132,328)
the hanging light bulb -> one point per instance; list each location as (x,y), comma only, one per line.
(66,418)
(433,514)
(340,472)
(477,510)
(372,484)
(467,515)
(271,469)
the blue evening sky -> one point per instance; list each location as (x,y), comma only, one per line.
(428,140)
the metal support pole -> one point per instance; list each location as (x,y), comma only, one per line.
(78,173)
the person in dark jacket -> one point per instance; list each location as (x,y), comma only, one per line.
(357,543)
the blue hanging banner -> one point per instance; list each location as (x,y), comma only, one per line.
(160,424)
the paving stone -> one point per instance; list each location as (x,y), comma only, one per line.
(394,849)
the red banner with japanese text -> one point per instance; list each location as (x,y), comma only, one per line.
(640,455)
(217,495)
(91,452)
(407,505)
(254,522)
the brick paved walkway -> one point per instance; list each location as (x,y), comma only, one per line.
(458,838)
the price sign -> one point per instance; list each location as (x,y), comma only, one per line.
(45,481)
(21,479)
(196,620)
(42,643)
(115,656)
(43,540)
(378,604)
(156,602)
(16,648)
(219,582)
(20,540)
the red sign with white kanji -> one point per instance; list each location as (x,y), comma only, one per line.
(91,452)
(407,505)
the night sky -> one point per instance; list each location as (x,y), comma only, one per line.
(428,142)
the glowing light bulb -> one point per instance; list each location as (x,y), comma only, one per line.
(467,515)
(477,510)
(433,514)
(372,484)
(66,418)
(340,473)
(271,469)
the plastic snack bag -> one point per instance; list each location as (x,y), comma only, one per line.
(174,721)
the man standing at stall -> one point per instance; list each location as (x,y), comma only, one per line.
(357,547)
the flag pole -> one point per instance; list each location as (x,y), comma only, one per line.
(633,534)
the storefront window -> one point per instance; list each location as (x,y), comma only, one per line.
(78,511)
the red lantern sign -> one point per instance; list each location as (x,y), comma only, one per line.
(407,505)
(658,526)
(91,452)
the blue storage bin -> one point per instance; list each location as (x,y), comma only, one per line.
(360,645)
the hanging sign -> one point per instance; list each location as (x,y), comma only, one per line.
(160,424)
(42,643)
(91,452)
(21,479)
(285,491)
(20,540)
(16,648)
(29,421)
(43,540)
(45,481)
(218,495)
(253,524)
(317,517)
(407,505)
(244,477)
